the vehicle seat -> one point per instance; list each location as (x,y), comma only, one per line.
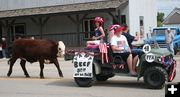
(110,53)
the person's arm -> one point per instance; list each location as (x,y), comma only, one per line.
(130,37)
(126,43)
(115,48)
(102,33)
(137,37)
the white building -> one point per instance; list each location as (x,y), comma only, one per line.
(173,19)
(71,20)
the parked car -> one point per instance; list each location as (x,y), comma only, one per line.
(159,36)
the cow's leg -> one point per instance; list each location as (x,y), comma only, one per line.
(11,61)
(23,65)
(58,68)
(41,62)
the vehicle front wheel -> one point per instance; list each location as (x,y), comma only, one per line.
(155,77)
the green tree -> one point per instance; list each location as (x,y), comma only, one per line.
(160,19)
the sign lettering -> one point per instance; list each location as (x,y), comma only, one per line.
(83,65)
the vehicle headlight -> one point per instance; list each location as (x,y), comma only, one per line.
(159,59)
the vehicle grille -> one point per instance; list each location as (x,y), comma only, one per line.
(162,44)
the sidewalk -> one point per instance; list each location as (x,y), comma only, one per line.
(2,60)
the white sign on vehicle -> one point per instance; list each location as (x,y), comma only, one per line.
(83,65)
(146,48)
(150,57)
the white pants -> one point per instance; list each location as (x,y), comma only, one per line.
(170,48)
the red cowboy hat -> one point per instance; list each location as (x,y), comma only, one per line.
(99,19)
(116,28)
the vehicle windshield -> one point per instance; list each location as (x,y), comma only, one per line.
(161,32)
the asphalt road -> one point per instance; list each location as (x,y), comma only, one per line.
(53,86)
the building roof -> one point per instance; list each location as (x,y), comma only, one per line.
(80,7)
(173,17)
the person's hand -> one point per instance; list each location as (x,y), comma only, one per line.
(94,38)
(120,49)
(138,36)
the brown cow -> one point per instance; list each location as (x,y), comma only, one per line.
(33,51)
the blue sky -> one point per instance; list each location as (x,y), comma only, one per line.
(166,6)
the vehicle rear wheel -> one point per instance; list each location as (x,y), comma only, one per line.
(84,82)
(101,78)
(155,77)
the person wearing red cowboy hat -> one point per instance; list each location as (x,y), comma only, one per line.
(121,48)
(99,31)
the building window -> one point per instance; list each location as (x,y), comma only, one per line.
(88,27)
(123,19)
(17,31)
(141,22)
(0,31)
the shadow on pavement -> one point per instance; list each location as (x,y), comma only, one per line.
(109,83)
(122,83)
(63,82)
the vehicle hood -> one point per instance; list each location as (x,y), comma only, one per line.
(160,52)
(159,38)
(155,38)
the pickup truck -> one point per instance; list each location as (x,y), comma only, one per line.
(158,35)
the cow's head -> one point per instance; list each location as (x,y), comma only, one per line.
(61,49)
